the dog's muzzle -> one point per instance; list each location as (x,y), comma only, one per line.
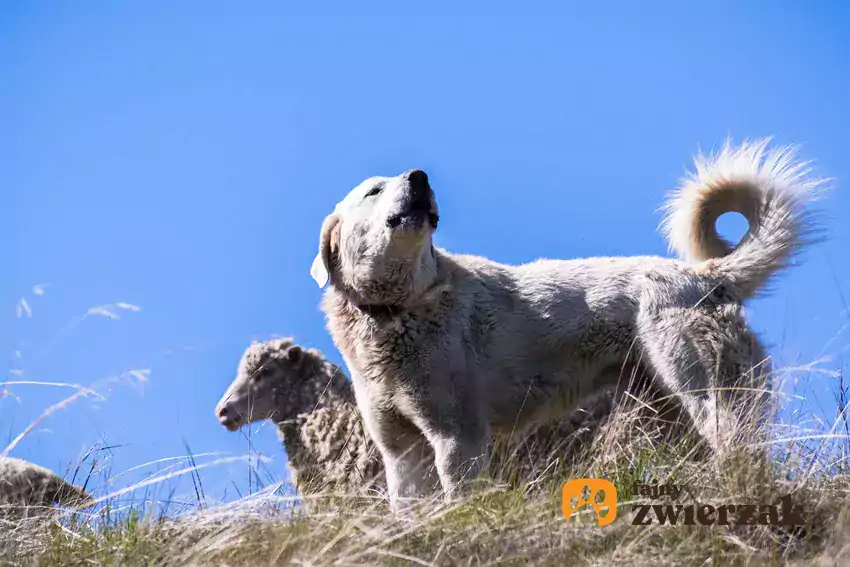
(417,204)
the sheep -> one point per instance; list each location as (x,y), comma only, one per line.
(312,402)
(26,487)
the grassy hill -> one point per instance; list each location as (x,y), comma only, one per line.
(504,520)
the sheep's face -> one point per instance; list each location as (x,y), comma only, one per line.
(376,245)
(267,385)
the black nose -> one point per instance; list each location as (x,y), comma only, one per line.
(419,188)
(416,176)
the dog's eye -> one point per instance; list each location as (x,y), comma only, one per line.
(374,191)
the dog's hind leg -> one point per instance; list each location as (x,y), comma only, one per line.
(685,350)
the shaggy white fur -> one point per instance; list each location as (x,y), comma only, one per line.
(452,348)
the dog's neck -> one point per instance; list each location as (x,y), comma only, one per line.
(389,310)
(352,322)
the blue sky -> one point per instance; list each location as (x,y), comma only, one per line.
(180,157)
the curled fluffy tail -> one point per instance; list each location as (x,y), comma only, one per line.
(768,187)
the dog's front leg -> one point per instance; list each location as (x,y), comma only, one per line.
(406,470)
(460,458)
(454,422)
(405,452)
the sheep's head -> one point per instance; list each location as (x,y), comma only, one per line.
(273,382)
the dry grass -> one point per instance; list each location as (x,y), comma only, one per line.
(511,523)
(514,518)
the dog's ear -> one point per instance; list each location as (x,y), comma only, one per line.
(328,248)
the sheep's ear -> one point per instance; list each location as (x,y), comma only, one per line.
(328,247)
(294,354)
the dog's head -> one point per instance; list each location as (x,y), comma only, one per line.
(376,245)
(268,385)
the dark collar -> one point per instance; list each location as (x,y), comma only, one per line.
(379,310)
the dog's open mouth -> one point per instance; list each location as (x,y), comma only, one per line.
(413,219)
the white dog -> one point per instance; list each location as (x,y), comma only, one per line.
(453,347)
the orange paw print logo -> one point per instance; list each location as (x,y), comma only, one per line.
(598,493)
